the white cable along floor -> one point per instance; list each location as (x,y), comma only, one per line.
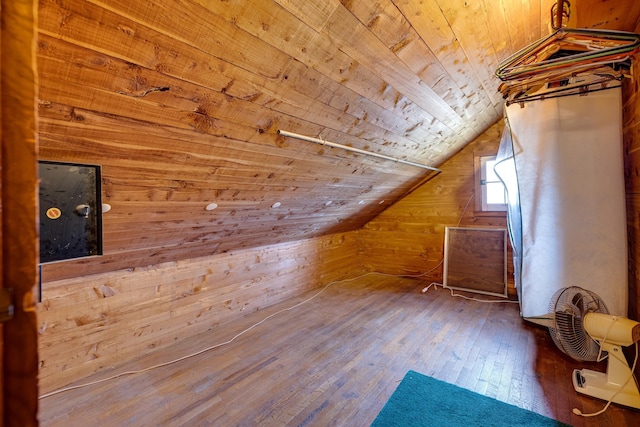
(335,360)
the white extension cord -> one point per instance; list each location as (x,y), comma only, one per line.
(436,284)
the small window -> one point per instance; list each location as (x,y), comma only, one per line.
(490,191)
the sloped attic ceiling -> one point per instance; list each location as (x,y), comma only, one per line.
(180,102)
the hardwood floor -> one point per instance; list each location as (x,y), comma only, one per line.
(335,360)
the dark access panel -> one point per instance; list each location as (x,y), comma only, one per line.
(70,211)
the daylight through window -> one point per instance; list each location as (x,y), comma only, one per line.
(493,194)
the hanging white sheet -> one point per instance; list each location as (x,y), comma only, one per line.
(505,168)
(569,166)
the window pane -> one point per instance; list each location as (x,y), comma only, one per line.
(495,193)
(490,175)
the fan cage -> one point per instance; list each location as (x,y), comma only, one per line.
(569,306)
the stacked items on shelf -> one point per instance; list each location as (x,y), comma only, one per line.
(567,62)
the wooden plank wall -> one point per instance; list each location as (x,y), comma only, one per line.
(19,232)
(180,103)
(408,237)
(88,324)
(631,135)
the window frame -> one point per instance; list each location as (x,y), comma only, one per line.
(482,206)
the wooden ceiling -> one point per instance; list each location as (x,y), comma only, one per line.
(180,102)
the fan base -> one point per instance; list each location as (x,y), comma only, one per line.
(596,384)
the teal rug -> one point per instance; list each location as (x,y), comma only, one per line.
(420,400)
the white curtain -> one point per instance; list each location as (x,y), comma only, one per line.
(570,189)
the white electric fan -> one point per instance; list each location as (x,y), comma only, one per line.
(583,329)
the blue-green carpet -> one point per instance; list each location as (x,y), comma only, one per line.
(420,400)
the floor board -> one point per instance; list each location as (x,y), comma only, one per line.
(335,360)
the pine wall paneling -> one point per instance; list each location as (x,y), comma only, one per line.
(91,323)
(180,104)
(631,138)
(177,120)
(408,237)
